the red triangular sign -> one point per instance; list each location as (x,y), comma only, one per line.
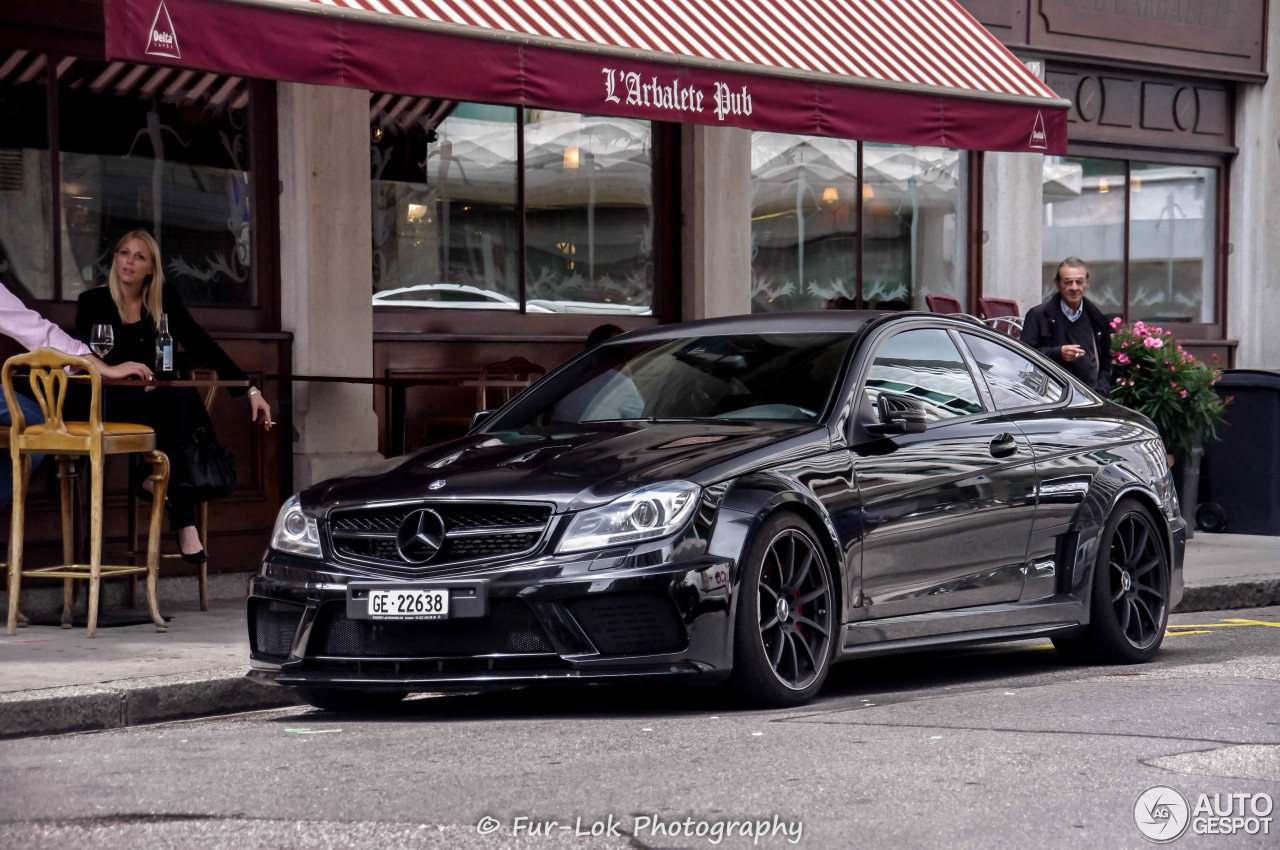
(1039,140)
(162,39)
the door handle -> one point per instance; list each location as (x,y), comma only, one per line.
(1004,445)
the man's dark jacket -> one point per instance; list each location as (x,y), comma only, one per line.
(1046,329)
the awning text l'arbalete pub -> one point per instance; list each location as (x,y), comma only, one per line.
(919,72)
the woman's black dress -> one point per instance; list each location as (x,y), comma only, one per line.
(174,412)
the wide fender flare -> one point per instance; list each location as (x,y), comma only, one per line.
(1112,484)
(751,500)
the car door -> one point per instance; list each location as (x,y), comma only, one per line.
(1031,398)
(945,513)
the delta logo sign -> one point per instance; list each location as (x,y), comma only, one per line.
(162,40)
(1039,140)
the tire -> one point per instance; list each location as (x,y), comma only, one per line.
(339,699)
(1130,606)
(785,624)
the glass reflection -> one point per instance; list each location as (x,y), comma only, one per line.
(444,197)
(925,365)
(26,247)
(803,221)
(162,150)
(1084,201)
(589,213)
(915,225)
(1172,234)
(1014,380)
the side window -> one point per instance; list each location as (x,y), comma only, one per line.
(1014,380)
(926,365)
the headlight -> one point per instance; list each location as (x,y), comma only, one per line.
(642,514)
(295,532)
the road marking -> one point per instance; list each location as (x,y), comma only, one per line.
(1238,622)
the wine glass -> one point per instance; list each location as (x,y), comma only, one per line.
(102,340)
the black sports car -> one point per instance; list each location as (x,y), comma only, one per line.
(746,500)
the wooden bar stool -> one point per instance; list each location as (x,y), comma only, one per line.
(95,439)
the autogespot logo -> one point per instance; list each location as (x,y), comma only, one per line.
(1161,813)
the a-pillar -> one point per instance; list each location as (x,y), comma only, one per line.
(325,268)
(716,208)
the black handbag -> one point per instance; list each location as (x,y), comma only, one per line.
(210,469)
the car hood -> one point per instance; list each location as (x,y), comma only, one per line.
(574,467)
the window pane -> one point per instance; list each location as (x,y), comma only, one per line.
(1172,234)
(589,214)
(444,204)
(1014,380)
(25,194)
(915,225)
(162,150)
(925,365)
(1084,217)
(804,222)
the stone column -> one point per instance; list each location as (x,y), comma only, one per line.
(325,270)
(716,234)
(1012,221)
(1253,266)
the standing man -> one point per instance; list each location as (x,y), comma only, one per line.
(1069,329)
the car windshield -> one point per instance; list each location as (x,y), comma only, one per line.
(742,376)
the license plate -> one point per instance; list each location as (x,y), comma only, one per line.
(408,604)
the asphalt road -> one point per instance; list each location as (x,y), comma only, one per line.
(1002,747)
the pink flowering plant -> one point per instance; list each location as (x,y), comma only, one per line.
(1152,374)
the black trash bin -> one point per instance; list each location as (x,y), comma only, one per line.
(1240,492)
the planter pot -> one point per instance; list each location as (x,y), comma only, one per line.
(1186,476)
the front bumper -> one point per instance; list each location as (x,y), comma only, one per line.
(556,619)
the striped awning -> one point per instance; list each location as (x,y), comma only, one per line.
(908,71)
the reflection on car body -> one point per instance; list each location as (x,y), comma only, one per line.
(743,500)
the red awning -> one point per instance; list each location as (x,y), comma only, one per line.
(920,72)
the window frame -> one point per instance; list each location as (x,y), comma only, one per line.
(467,323)
(264,226)
(1219,162)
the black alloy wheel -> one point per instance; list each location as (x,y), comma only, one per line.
(785,622)
(1130,607)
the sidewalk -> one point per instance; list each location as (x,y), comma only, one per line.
(55,680)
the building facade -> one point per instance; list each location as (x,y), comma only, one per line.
(408,226)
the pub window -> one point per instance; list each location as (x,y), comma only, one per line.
(161,150)
(26,188)
(1164,271)
(458,187)
(836,222)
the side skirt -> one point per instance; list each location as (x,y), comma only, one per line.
(986,624)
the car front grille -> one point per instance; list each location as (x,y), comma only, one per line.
(474,532)
(510,629)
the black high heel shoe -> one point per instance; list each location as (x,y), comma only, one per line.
(196,558)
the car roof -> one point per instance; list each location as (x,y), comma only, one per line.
(821,321)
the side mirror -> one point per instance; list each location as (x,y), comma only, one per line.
(898,414)
(480,418)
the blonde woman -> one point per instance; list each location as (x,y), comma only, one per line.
(132,302)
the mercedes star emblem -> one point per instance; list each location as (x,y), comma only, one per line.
(420,536)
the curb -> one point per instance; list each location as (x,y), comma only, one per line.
(132,702)
(1259,593)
